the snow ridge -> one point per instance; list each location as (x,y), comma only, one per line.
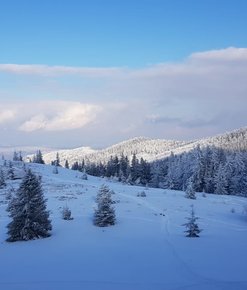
(150,149)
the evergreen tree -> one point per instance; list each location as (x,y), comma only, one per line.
(111,167)
(15,156)
(30,219)
(192,230)
(220,181)
(66,165)
(20,156)
(134,168)
(11,174)
(145,172)
(2,179)
(123,167)
(57,161)
(66,213)
(84,175)
(104,215)
(38,158)
(75,166)
(199,170)
(190,192)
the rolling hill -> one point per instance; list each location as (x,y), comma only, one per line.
(150,149)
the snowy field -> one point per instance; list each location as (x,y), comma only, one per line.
(145,250)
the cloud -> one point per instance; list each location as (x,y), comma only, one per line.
(227,54)
(6,115)
(46,70)
(63,116)
(157,119)
(183,100)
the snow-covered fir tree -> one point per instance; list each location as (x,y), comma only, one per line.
(2,179)
(211,169)
(30,218)
(84,175)
(10,173)
(66,164)
(17,156)
(221,182)
(56,162)
(38,158)
(104,215)
(190,191)
(66,213)
(192,228)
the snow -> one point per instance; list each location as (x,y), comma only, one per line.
(150,149)
(145,250)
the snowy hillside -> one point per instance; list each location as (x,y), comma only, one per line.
(71,155)
(143,147)
(149,149)
(145,250)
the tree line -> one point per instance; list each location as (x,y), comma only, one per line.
(209,169)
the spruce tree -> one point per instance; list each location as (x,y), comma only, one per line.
(30,218)
(66,213)
(2,179)
(104,215)
(66,165)
(192,230)
(57,161)
(15,156)
(38,158)
(84,175)
(190,192)
(11,174)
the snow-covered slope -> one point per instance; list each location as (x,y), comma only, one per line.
(150,149)
(72,155)
(143,147)
(145,250)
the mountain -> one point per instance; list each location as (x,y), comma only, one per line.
(146,249)
(147,148)
(150,149)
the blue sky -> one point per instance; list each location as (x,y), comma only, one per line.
(170,60)
(117,33)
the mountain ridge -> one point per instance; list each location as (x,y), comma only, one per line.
(150,149)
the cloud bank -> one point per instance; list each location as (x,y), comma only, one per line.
(204,94)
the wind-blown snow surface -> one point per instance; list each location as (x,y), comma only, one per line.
(145,250)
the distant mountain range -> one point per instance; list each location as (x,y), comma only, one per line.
(150,149)
(7,151)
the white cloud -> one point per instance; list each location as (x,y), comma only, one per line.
(6,115)
(61,116)
(201,95)
(227,54)
(46,70)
